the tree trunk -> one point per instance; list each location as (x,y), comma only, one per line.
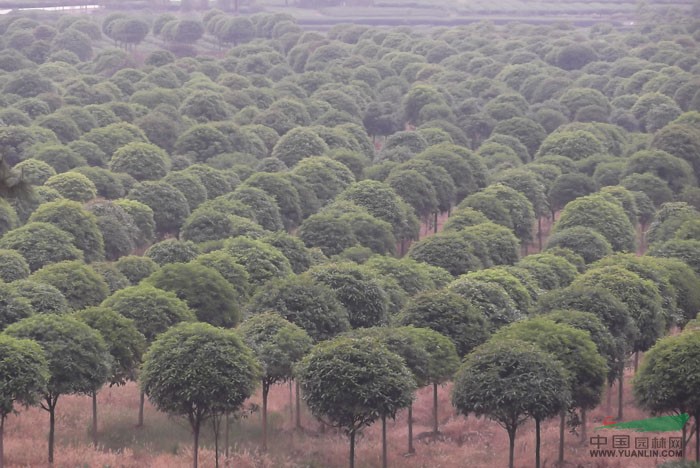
(584,433)
(142,400)
(620,395)
(562,425)
(352,448)
(410,429)
(537,443)
(539,232)
(435,228)
(94,418)
(697,438)
(291,402)
(298,405)
(511,447)
(384,459)
(226,434)
(683,440)
(265,392)
(216,424)
(2,436)
(435,408)
(195,448)
(52,429)
(636,361)
(608,405)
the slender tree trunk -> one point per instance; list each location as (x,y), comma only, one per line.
(216,426)
(620,395)
(291,402)
(435,408)
(537,443)
(562,425)
(195,448)
(435,228)
(539,232)
(636,361)
(608,405)
(265,392)
(683,440)
(142,400)
(410,429)
(2,436)
(226,434)
(298,405)
(511,448)
(384,459)
(52,429)
(584,432)
(94,418)
(697,437)
(352,448)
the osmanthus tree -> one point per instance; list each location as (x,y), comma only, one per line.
(77,357)
(585,367)
(153,311)
(278,345)
(349,383)
(490,298)
(124,342)
(199,371)
(24,374)
(448,250)
(219,306)
(669,377)
(80,285)
(506,368)
(453,316)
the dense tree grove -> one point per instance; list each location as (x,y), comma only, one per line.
(205,201)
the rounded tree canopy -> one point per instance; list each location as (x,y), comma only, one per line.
(80,285)
(351,382)
(24,373)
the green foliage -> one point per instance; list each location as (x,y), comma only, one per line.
(262,261)
(171,251)
(357,290)
(446,250)
(41,244)
(70,217)
(13,266)
(81,286)
(169,205)
(124,342)
(351,382)
(73,186)
(78,361)
(450,314)
(277,343)
(198,371)
(219,306)
(152,310)
(142,216)
(24,372)
(142,161)
(13,307)
(311,305)
(606,217)
(43,298)
(512,284)
(298,144)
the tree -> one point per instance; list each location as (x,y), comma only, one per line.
(169,205)
(199,372)
(311,305)
(278,345)
(262,261)
(491,299)
(495,244)
(125,344)
(360,293)
(686,250)
(78,361)
(113,136)
(667,379)
(80,224)
(569,187)
(378,199)
(130,32)
(80,285)
(606,217)
(326,177)
(682,141)
(577,352)
(675,171)
(419,96)
(24,372)
(298,144)
(202,142)
(265,209)
(351,382)
(171,251)
(73,186)
(449,250)
(13,266)
(450,315)
(588,243)
(416,190)
(284,193)
(327,232)
(413,276)
(142,161)
(142,216)
(506,368)
(574,144)
(218,307)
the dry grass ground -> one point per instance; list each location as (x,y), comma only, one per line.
(165,442)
